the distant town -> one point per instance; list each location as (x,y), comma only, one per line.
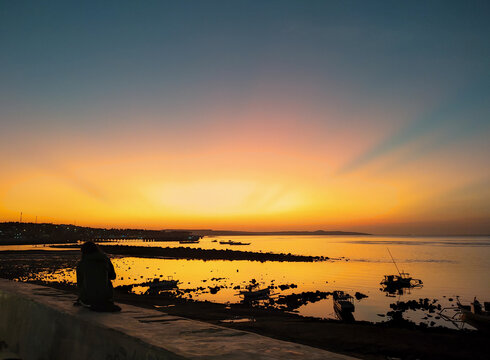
(17,233)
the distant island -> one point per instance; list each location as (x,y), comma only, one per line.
(13,233)
(253,233)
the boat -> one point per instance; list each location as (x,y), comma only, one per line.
(395,283)
(402,280)
(342,302)
(231,242)
(252,295)
(475,314)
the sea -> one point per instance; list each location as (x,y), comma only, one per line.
(451,268)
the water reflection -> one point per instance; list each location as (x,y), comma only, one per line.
(307,288)
(290,288)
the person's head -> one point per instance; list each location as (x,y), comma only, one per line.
(89,247)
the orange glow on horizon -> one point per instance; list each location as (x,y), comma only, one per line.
(263,171)
(231,188)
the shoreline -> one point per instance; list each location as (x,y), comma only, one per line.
(398,338)
(359,339)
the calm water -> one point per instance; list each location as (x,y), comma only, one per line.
(448,266)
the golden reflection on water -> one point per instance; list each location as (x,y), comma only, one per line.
(448,267)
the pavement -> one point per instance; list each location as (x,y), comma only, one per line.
(38,322)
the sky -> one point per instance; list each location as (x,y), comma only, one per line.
(247,115)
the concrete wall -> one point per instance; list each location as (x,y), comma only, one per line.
(40,323)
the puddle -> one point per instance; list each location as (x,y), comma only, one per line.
(241,320)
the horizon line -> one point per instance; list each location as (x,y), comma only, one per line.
(356,233)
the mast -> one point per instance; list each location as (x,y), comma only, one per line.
(394,262)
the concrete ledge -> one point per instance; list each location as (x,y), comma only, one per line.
(41,323)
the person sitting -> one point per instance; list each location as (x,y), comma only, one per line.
(94,274)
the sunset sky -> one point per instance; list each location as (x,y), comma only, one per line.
(247,115)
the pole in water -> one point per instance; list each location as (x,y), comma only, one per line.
(394,262)
(20,216)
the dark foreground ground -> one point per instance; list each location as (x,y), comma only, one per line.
(360,339)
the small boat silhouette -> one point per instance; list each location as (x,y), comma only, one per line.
(476,315)
(343,305)
(231,242)
(395,283)
(251,295)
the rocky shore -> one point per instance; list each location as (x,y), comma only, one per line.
(199,254)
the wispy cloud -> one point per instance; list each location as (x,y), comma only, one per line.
(463,114)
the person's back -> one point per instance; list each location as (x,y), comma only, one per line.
(94,275)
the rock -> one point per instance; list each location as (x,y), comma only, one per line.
(360,296)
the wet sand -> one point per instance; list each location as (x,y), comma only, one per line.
(399,339)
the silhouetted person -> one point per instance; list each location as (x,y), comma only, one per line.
(94,274)
(477,308)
